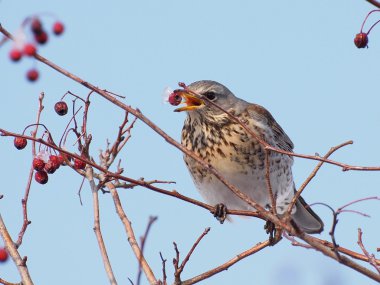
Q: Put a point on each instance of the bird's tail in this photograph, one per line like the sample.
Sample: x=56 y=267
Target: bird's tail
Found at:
x=306 y=219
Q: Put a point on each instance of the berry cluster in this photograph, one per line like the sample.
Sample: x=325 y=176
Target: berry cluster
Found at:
x=3 y=255
x=361 y=39
x=45 y=163
x=39 y=36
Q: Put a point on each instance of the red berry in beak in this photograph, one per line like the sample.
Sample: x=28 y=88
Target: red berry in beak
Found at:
x=15 y=54
x=20 y=143
x=61 y=108
x=361 y=40
x=32 y=75
x=58 y=28
x=38 y=164
x=41 y=177
x=174 y=98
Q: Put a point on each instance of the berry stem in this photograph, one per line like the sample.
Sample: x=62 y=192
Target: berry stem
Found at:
x=373 y=26
x=365 y=20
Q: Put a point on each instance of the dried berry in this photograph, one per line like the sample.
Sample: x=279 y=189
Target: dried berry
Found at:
x=61 y=158
x=51 y=166
x=361 y=40
x=41 y=38
x=175 y=98
x=30 y=49
x=3 y=254
x=41 y=177
x=20 y=143
x=36 y=26
x=55 y=159
x=38 y=164
x=61 y=108
x=32 y=75
x=15 y=54
x=58 y=28
x=79 y=164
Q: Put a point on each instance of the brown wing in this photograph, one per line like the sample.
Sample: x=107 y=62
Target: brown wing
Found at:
x=261 y=114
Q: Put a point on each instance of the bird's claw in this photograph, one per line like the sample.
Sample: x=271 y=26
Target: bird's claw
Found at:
x=220 y=212
x=274 y=232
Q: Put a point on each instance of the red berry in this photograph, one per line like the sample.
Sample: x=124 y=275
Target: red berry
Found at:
x=32 y=75
x=20 y=143
x=3 y=254
x=30 y=49
x=51 y=166
x=15 y=54
x=79 y=164
x=61 y=108
x=58 y=28
x=55 y=159
x=175 y=98
x=41 y=177
x=41 y=38
x=361 y=40
x=38 y=164
x=36 y=26
x=61 y=158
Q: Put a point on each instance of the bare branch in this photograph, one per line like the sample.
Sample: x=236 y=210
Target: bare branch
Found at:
x=12 y=250
x=131 y=236
x=97 y=229
x=371 y=257
x=228 y=264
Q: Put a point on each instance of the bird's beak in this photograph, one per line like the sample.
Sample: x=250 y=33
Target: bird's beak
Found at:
x=192 y=102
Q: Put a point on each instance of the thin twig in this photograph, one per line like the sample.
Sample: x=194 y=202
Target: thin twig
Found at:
x=227 y=264
x=24 y=201
x=11 y=248
x=180 y=268
x=97 y=229
x=164 y=277
x=371 y=257
x=131 y=236
x=142 y=245
x=312 y=175
x=4 y=282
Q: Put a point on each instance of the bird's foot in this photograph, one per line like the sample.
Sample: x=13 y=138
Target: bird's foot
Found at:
x=274 y=232
x=220 y=212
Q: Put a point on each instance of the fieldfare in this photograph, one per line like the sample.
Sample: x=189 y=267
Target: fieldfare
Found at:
x=238 y=156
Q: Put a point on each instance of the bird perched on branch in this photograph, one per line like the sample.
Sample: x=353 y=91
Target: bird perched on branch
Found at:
x=238 y=155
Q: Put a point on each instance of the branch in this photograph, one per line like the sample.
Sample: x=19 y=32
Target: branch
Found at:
x=227 y=265
x=143 y=241
x=97 y=229
x=12 y=250
x=371 y=257
x=24 y=201
x=374 y=3
x=131 y=236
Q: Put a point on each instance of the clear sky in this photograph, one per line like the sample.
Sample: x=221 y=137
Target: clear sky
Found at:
x=296 y=58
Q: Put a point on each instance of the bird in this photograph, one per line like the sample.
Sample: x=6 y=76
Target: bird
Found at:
x=220 y=141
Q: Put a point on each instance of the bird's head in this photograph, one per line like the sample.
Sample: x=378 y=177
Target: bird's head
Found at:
x=196 y=93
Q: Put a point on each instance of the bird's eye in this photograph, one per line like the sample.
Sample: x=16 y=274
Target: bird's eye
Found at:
x=210 y=95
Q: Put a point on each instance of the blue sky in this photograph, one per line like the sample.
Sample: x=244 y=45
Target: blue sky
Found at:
x=296 y=58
